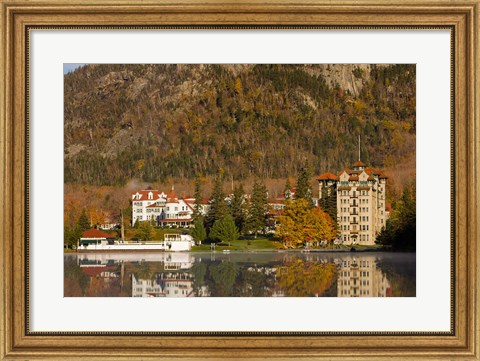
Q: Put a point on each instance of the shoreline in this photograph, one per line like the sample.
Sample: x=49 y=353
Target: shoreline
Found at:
x=226 y=251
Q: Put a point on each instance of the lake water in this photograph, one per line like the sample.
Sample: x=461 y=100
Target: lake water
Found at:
x=240 y=274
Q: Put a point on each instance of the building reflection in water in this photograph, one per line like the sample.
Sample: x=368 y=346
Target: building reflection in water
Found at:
x=361 y=278
x=204 y=275
x=167 y=284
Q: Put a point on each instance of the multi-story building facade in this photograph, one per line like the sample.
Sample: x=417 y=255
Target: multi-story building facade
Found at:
x=361 y=202
x=166 y=210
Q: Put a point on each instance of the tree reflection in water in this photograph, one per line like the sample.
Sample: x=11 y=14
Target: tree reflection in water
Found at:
x=262 y=274
x=300 y=278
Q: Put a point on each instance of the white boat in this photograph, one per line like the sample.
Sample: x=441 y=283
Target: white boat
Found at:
x=96 y=242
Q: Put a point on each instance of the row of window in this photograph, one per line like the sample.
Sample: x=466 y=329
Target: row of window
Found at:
x=363 y=237
x=354 y=194
x=346 y=227
x=362 y=264
x=354 y=219
x=150 y=210
x=346 y=201
x=362 y=210
x=362 y=292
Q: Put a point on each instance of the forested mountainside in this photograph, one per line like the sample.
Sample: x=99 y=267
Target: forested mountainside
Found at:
x=150 y=122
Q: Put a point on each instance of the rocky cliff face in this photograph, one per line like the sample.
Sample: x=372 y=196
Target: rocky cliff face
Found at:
x=349 y=77
x=154 y=121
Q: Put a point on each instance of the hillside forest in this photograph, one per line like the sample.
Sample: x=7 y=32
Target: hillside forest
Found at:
x=128 y=127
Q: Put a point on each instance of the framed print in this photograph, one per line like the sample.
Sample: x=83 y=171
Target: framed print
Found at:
x=239 y=180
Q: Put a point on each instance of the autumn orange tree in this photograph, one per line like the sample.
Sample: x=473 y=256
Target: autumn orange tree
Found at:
x=301 y=224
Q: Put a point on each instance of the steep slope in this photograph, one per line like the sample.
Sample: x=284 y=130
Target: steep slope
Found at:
x=150 y=122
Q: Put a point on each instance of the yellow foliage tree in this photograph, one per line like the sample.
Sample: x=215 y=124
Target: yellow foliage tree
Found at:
x=301 y=225
x=96 y=217
x=238 y=86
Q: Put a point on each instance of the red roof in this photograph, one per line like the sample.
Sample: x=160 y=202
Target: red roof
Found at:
x=154 y=206
x=353 y=177
x=144 y=194
x=189 y=205
x=375 y=171
x=327 y=176
x=95 y=271
x=95 y=233
x=172 y=196
x=359 y=164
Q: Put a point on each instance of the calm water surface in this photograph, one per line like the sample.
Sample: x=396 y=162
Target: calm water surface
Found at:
x=238 y=274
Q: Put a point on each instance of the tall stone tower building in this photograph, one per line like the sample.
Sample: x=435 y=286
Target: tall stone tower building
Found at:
x=361 y=202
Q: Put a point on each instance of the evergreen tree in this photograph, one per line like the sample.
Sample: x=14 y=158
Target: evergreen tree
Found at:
x=218 y=207
x=287 y=191
x=71 y=235
x=197 y=208
x=400 y=229
x=224 y=230
x=198 y=232
x=328 y=202
x=238 y=207
x=145 y=231
x=257 y=210
x=304 y=190
x=83 y=222
x=136 y=224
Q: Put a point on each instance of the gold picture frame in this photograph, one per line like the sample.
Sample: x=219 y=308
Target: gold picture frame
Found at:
x=18 y=342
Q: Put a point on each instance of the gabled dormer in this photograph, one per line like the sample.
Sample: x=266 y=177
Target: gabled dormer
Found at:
x=363 y=177
x=344 y=176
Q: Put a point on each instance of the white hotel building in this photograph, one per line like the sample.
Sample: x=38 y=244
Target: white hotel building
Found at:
x=166 y=210
x=361 y=202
